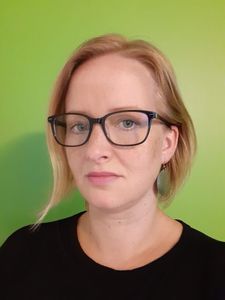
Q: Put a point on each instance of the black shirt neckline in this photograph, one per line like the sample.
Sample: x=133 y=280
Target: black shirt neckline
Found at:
x=74 y=251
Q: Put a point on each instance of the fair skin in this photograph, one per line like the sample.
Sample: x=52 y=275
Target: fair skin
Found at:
x=123 y=227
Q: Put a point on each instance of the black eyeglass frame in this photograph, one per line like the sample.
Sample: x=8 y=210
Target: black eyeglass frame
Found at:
x=101 y=120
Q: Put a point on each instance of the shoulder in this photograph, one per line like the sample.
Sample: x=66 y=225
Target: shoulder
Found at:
x=200 y=240
x=199 y=259
x=26 y=251
x=203 y=250
x=22 y=240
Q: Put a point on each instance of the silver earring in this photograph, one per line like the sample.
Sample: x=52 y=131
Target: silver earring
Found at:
x=162 y=181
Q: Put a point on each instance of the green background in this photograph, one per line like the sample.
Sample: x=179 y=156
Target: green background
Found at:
x=36 y=39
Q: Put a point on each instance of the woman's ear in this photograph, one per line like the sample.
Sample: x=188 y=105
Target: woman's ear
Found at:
x=169 y=143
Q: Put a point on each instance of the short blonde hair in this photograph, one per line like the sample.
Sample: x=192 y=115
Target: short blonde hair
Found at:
x=176 y=113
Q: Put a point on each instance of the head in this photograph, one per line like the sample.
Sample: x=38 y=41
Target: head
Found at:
x=109 y=73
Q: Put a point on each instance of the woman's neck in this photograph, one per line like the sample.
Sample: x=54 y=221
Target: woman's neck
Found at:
x=129 y=238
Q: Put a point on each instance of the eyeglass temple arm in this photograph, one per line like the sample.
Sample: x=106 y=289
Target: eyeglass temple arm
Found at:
x=157 y=116
x=57 y=122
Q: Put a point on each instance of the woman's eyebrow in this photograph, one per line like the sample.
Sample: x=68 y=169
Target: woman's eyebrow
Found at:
x=109 y=110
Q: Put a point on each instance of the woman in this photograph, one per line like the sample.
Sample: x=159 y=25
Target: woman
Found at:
x=120 y=133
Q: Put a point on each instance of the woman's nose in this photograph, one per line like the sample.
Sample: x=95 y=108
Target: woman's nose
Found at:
x=98 y=148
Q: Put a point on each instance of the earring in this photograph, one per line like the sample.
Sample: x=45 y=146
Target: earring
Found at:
x=162 y=181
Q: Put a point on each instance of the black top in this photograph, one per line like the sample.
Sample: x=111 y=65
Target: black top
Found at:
x=50 y=264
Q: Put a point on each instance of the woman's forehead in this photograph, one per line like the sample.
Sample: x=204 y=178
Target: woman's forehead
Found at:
x=111 y=81
x=112 y=65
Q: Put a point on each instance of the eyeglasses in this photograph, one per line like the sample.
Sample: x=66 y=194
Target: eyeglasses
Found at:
x=122 y=128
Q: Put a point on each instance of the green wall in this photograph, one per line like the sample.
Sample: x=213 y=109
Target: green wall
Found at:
x=36 y=39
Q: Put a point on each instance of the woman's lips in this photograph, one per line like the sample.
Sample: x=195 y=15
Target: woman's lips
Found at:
x=100 y=178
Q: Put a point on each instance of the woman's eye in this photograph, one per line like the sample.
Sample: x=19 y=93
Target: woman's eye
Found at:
x=79 y=128
x=128 y=124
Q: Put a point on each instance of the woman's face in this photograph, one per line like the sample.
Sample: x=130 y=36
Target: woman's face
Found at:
x=100 y=86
